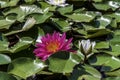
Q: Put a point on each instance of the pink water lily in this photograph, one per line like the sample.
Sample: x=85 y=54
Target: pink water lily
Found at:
x=51 y=44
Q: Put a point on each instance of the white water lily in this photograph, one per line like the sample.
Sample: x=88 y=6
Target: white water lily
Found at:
x=86 y=46
x=57 y=2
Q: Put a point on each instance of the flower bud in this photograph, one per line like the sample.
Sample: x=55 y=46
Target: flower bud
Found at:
x=86 y=46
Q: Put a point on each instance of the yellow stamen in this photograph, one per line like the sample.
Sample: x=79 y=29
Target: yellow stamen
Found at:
x=52 y=46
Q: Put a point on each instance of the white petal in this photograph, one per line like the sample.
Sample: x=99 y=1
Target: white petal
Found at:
x=93 y=44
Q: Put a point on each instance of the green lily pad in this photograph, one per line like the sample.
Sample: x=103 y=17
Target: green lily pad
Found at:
x=114 y=73
x=41 y=18
x=98 y=33
x=5 y=3
x=87 y=77
x=85 y=72
x=23 y=43
x=23 y=10
x=81 y=17
x=25 y=67
x=101 y=6
x=115 y=44
x=61 y=25
x=6 y=76
x=112 y=78
x=6 y=23
x=63 y=62
x=108 y=62
x=4 y=59
x=66 y=9
x=104 y=21
x=102 y=45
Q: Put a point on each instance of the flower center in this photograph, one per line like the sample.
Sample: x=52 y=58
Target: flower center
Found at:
x=53 y=46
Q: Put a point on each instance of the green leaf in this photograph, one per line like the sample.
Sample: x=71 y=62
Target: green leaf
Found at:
x=92 y=71
x=41 y=18
x=117 y=32
x=98 y=0
x=101 y=6
x=45 y=6
x=103 y=21
x=85 y=72
x=7 y=3
x=23 y=43
x=4 y=46
x=114 y=4
x=81 y=17
x=62 y=62
x=25 y=67
x=114 y=73
x=112 y=78
x=30 y=1
x=5 y=76
x=4 y=59
x=6 y=23
x=66 y=9
x=108 y=62
x=106 y=5
x=62 y=25
x=98 y=33
x=115 y=44
x=115 y=15
x=87 y=77
x=102 y=45
x=23 y=10
x=28 y=25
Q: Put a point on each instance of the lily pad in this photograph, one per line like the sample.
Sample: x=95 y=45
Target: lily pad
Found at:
x=6 y=76
x=25 y=67
x=4 y=59
x=63 y=62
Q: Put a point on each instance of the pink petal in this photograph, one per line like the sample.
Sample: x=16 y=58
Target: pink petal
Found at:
x=64 y=45
x=67 y=44
x=40 y=45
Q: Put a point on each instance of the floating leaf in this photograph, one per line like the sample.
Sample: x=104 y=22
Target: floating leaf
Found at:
x=61 y=25
x=98 y=33
x=81 y=17
x=114 y=73
x=6 y=23
x=23 y=43
x=62 y=62
x=105 y=61
x=112 y=78
x=85 y=72
x=66 y=9
x=102 y=45
x=4 y=59
x=41 y=18
x=103 y=21
x=8 y=3
x=115 y=44
x=23 y=10
x=25 y=67
x=6 y=76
